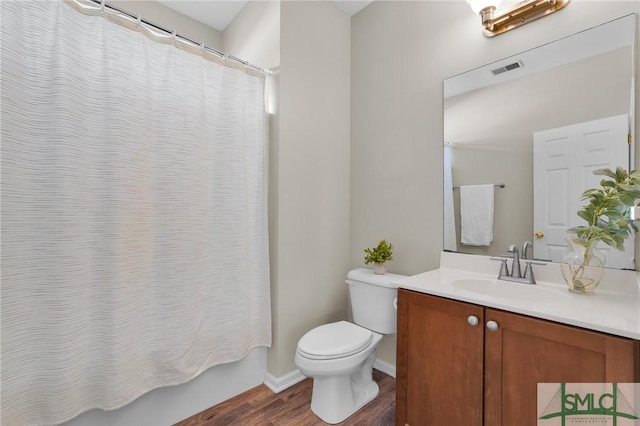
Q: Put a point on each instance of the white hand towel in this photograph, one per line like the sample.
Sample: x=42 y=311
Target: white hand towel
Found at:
x=476 y=214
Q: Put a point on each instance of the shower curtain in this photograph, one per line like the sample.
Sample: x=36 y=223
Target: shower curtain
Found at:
x=134 y=218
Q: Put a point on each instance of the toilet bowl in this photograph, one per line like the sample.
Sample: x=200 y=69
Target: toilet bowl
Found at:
x=341 y=369
x=339 y=356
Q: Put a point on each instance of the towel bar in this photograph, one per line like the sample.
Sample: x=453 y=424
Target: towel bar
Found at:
x=497 y=185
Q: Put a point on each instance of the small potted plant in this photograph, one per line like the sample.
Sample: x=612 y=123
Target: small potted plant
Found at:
x=608 y=220
x=378 y=256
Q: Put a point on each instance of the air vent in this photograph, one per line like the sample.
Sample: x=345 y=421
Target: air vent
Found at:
x=509 y=67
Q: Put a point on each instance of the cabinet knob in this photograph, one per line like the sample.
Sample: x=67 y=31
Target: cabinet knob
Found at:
x=472 y=320
x=492 y=325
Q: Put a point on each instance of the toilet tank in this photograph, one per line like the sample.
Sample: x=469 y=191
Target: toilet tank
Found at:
x=373 y=299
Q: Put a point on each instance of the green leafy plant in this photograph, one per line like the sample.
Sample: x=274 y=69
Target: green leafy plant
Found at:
x=379 y=254
x=608 y=220
x=607 y=214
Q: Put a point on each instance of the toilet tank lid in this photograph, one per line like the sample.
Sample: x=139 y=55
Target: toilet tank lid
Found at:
x=366 y=275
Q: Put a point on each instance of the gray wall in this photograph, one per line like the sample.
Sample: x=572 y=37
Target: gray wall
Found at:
x=312 y=175
x=401 y=52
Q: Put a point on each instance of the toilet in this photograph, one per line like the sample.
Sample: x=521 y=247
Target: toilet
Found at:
x=339 y=356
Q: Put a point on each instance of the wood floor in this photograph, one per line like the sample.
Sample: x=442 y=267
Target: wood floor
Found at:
x=261 y=407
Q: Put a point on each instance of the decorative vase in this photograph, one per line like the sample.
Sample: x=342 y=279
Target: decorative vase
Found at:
x=581 y=269
x=379 y=268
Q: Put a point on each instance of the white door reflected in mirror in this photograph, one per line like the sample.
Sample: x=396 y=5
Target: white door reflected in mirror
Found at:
x=563 y=163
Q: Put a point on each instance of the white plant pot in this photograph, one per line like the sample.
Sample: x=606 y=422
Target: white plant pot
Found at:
x=379 y=268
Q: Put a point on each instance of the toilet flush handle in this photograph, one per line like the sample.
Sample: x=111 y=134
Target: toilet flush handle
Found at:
x=395 y=303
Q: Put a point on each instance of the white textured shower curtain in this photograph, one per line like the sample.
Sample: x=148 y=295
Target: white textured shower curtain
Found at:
x=134 y=221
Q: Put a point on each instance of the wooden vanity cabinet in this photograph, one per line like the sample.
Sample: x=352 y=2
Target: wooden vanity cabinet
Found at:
x=452 y=372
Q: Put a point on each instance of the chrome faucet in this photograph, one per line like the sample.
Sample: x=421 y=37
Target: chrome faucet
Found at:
x=515 y=266
x=525 y=248
x=516 y=275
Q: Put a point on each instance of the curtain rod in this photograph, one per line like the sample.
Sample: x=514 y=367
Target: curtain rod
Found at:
x=223 y=55
x=495 y=185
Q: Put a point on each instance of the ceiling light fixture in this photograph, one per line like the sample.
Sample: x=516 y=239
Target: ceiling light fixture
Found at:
x=520 y=14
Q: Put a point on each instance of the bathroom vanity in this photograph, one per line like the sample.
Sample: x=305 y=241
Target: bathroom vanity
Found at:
x=472 y=349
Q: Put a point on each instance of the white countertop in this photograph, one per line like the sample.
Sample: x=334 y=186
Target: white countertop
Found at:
x=614 y=307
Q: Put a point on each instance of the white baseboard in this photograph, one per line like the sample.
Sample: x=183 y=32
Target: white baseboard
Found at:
x=385 y=367
x=278 y=384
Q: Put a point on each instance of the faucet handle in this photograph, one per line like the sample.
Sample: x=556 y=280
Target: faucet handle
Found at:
x=500 y=258
x=528 y=271
x=504 y=269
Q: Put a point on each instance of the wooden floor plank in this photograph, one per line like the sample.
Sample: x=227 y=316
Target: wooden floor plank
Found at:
x=261 y=407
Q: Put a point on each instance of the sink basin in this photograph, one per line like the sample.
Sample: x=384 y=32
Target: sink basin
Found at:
x=496 y=288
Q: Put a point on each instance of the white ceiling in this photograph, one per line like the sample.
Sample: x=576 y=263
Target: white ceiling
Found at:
x=219 y=13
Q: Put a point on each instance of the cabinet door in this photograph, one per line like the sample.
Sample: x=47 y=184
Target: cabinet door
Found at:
x=525 y=351
x=439 y=362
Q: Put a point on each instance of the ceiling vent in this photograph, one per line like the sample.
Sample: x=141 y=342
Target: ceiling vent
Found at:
x=509 y=67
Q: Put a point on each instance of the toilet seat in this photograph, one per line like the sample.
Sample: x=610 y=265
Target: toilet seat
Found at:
x=334 y=340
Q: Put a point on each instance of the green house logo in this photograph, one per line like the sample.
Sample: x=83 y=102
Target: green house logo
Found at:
x=589 y=403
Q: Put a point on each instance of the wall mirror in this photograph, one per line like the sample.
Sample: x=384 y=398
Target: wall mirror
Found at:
x=493 y=113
